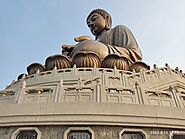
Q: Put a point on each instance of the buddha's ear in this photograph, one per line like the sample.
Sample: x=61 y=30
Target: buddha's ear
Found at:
x=108 y=22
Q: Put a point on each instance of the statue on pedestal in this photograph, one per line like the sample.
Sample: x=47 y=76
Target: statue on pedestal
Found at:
x=111 y=47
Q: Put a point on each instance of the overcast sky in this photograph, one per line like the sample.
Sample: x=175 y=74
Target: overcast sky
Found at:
x=32 y=30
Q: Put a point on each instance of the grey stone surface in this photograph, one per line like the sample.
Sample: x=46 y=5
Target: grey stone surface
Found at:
x=101 y=132
x=106 y=100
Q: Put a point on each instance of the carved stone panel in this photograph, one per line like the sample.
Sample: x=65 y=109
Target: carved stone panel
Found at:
x=82 y=94
x=161 y=98
x=120 y=95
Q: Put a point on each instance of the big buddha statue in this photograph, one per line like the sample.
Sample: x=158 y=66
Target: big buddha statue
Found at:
x=112 y=47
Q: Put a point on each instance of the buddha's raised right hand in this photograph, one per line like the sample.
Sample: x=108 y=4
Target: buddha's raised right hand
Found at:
x=82 y=38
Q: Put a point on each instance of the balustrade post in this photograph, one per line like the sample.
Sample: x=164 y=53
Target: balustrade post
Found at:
x=20 y=93
x=59 y=91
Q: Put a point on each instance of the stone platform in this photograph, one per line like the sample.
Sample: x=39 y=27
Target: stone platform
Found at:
x=90 y=98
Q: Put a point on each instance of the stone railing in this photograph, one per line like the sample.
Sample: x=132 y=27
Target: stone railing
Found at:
x=141 y=77
x=158 y=73
x=93 y=93
x=95 y=85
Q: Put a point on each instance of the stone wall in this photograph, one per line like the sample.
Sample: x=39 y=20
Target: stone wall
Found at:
x=100 y=132
x=161 y=87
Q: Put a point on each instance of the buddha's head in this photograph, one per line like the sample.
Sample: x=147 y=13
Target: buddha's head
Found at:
x=98 y=21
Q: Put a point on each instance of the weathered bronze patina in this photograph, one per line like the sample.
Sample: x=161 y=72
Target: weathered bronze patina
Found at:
x=119 y=40
x=114 y=46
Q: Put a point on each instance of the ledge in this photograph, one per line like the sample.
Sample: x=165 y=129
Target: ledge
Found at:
x=92 y=114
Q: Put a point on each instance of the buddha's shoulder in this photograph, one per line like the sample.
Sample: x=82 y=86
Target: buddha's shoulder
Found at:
x=120 y=27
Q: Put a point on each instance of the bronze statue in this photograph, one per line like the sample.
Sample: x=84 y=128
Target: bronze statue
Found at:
x=119 y=40
x=114 y=46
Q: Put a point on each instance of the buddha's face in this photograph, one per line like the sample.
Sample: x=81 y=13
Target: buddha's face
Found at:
x=96 y=24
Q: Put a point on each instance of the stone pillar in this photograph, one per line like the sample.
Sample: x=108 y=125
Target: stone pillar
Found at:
x=20 y=93
x=59 y=91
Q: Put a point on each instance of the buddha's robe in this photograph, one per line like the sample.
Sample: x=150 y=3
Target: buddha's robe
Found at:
x=121 y=41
